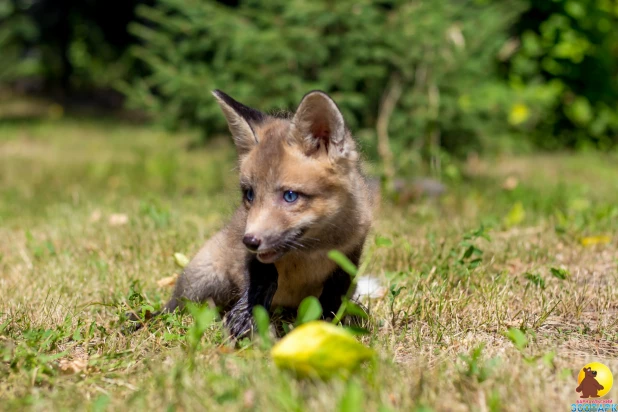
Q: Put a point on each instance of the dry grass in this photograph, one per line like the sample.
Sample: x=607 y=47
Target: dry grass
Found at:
x=69 y=271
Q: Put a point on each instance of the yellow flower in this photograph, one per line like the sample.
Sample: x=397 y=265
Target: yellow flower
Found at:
x=516 y=215
x=519 y=114
x=320 y=349
x=595 y=240
x=181 y=260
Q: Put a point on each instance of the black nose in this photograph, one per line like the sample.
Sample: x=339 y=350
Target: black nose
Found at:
x=251 y=242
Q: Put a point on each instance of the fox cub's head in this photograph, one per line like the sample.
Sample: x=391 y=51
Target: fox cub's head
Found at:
x=299 y=176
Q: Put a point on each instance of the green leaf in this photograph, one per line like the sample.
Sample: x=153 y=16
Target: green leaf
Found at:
x=309 y=309
x=580 y=111
x=172 y=337
x=357 y=330
x=77 y=334
x=100 y=403
x=561 y=274
x=548 y=358
x=343 y=262
x=355 y=310
x=383 y=242
x=4 y=325
x=468 y=252
x=565 y=373
x=517 y=337
x=535 y=279
x=203 y=317
x=262 y=323
x=146 y=311
x=395 y=289
x=52 y=357
x=352 y=399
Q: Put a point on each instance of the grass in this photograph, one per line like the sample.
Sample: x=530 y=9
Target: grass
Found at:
x=493 y=301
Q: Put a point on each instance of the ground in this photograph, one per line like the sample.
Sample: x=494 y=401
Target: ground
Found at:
x=499 y=292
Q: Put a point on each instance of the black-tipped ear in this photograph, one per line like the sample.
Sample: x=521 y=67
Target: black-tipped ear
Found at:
x=246 y=112
x=318 y=124
x=240 y=120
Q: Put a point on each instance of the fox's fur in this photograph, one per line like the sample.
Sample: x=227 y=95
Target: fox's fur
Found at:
x=313 y=154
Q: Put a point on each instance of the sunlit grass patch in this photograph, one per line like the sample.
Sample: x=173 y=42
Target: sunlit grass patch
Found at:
x=493 y=300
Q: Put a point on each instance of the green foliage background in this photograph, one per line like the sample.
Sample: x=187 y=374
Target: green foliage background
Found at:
x=485 y=75
x=572 y=47
x=268 y=54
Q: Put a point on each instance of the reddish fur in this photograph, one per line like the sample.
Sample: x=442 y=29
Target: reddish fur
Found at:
x=276 y=154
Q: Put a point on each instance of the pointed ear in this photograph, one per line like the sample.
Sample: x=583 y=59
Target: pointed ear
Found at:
x=240 y=120
x=319 y=127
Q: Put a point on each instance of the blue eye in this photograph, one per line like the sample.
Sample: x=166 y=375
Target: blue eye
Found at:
x=290 y=196
x=249 y=195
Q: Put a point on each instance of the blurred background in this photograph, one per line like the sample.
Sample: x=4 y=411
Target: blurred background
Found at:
x=427 y=80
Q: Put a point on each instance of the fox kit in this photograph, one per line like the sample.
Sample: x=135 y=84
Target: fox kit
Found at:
x=303 y=194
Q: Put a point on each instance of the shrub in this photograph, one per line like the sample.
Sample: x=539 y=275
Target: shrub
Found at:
x=16 y=30
x=433 y=63
x=571 y=46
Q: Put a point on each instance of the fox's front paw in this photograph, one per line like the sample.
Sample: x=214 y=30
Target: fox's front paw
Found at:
x=135 y=323
x=132 y=325
x=239 y=322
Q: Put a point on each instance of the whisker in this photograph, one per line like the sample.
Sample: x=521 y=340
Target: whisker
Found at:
x=293 y=244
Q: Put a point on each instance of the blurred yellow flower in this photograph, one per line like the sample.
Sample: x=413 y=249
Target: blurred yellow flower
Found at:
x=519 y=114
x=320 y=349
x=181 y=260
x=516 y=215
x=595 y=240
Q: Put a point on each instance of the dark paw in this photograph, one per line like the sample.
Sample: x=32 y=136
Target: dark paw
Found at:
x=135 y=323
x=240 y=323
x=132 y=325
